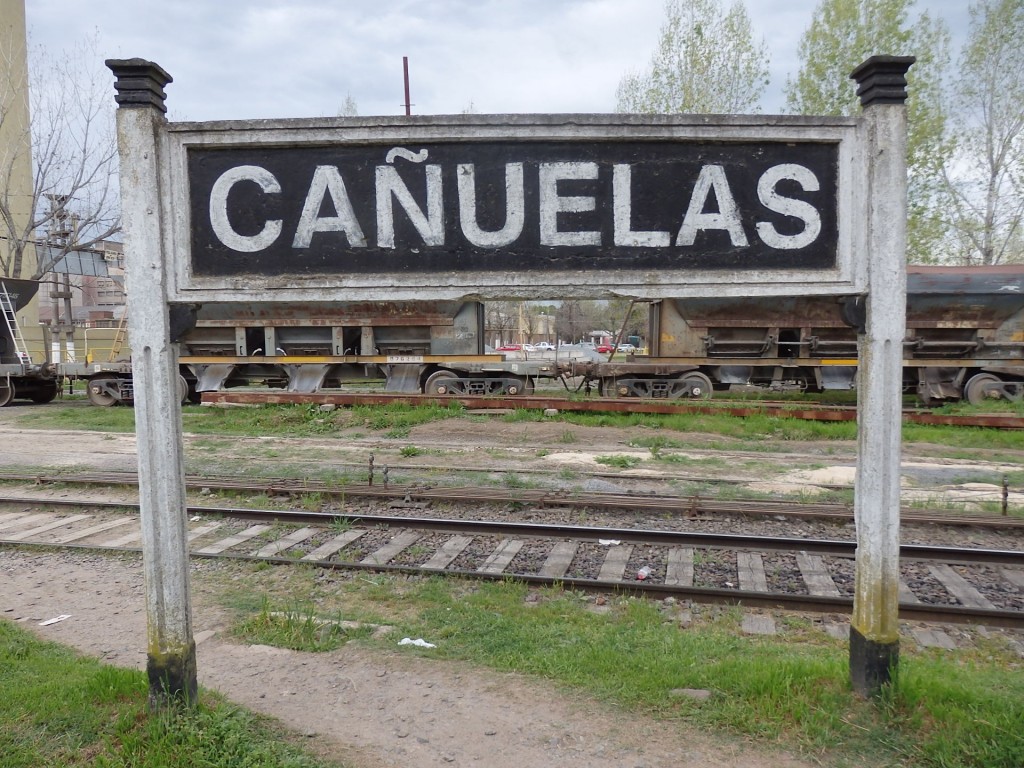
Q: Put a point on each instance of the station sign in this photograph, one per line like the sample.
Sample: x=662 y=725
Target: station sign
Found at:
x=449 y=207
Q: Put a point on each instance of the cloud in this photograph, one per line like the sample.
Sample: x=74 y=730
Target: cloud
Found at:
x=240 y=59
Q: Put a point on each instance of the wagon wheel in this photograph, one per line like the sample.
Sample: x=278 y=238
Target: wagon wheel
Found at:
x=611 y=388
x=6 y=393
x=440 y=383
x=975 y=389
x=45 y=393
x=182 y=389
x=700 y=385
x=97 y=394
x=520 y=385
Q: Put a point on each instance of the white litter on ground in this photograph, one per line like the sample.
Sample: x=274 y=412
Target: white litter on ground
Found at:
x=419 y=642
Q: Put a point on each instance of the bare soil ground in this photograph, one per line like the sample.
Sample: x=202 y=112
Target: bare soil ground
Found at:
x=369 y=709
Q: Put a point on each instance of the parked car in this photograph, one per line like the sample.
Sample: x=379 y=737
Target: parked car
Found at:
x=626 y=349
x=511 y=348
x=604 y=349
x=544 y=346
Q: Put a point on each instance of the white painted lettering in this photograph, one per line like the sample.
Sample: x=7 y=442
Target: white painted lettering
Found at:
x=515 y=207
x=787 y=206
x=390 y=185
x=622 y=205
x=219 y=209
x=327 y=181
x=712 y=177
x=551 y=204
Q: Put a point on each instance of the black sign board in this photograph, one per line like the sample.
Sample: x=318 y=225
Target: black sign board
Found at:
x=489 y=206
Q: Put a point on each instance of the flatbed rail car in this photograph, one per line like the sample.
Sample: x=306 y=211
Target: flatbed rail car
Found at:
x=435 y=347
x=965 y=340
x=21 y=376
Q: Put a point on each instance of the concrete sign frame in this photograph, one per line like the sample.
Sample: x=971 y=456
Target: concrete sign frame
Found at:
x=401 y=143
x=160 y=230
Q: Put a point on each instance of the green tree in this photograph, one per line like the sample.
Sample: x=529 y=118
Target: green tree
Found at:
x=842 y=34
x=706 y=62
x=986 y=181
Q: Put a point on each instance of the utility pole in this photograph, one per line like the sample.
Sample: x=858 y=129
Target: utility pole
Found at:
x=62 y=232
x=405 y=74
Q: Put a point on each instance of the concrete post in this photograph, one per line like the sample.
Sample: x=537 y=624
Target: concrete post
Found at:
x=874 y=629
x=141 y=138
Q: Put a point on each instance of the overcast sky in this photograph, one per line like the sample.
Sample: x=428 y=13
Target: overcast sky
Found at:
x=232 y=59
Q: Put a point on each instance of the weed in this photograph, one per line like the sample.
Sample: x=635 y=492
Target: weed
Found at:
x=512 y=480
x=340 y=525
x=619 y=460
x=312 y=501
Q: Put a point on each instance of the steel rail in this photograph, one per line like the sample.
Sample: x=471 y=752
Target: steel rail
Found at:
x=921 y=612
x=710 y=595
x=603 y=404
x=836 y=548
x=691 y=506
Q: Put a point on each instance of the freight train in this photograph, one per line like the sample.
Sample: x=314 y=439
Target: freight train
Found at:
x=965 y=340
x=20 y=375
x=435 y=347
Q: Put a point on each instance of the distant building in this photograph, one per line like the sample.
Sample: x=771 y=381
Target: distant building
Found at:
x=97 y=299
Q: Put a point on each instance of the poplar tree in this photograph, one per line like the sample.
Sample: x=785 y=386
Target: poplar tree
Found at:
x=986 y=181
x=706 y=62
x=841 y=35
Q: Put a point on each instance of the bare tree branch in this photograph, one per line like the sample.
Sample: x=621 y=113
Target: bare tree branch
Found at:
x=74 y=197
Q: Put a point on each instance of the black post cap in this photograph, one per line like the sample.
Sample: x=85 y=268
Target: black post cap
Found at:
x=882 y=79
x=139 y=83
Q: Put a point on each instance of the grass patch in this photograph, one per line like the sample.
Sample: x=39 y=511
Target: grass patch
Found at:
x=287 y=420
x=58 y=709
x=298 y=628
x=521 y=415
x=396 y=420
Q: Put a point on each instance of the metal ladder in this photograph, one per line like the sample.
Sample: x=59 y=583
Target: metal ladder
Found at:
x=119 y=338
x=12 y=325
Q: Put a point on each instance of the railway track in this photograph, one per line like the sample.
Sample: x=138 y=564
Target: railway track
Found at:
x=412 y=494
x=938 y=584
x=815 y=412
